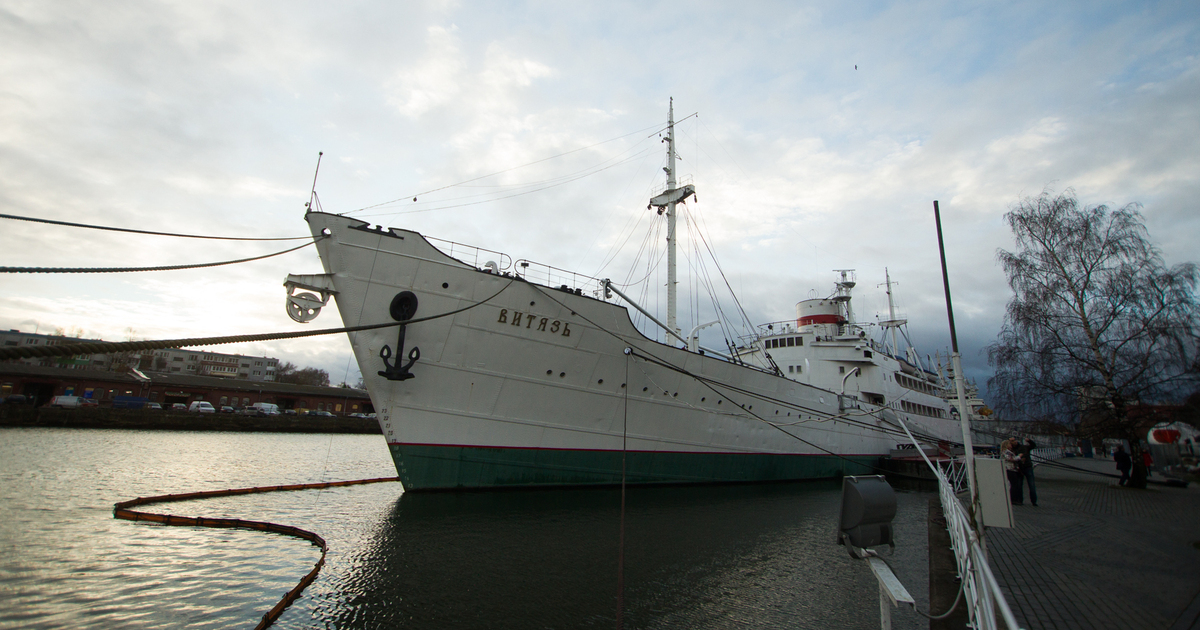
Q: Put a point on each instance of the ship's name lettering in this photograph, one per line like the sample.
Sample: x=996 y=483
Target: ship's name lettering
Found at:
x=529 y=320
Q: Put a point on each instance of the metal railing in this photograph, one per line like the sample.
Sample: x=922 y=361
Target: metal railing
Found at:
x=558 y=278
x=986 y=605
x=470 y=254
x=980 y=588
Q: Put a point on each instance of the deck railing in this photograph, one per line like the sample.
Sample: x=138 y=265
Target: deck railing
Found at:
x=558 y=278
x=474 y=256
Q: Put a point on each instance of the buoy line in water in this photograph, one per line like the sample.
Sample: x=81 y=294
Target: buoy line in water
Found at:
x=122 y=511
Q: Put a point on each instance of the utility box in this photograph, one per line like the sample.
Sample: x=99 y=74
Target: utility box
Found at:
x=992 y=484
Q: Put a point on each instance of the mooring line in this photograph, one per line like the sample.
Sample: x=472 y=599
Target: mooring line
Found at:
x=121 y=510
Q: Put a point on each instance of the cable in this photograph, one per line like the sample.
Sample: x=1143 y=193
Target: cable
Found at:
x=475 y=203
x=137 y=269
x=743 y=408
x=132 y=231
x=475 y=179
x=66 y=350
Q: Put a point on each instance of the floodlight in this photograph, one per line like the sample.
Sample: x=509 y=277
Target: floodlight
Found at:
x=868 y=507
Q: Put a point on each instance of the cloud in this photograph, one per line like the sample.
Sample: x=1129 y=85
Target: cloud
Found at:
x=207 y=118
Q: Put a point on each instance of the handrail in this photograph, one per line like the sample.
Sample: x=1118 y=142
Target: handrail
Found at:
x=556 y=278
x=459 y=251
x=983 y=594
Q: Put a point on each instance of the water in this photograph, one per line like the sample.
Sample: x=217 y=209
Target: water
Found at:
x=701 y=557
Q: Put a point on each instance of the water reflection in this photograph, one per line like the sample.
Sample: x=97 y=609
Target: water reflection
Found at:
x=700 y=557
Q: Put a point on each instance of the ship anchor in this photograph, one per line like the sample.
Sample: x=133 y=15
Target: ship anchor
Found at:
x=403 y=307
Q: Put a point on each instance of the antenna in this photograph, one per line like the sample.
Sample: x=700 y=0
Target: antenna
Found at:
x=312 y=196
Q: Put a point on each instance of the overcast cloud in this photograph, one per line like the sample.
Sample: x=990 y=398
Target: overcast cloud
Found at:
x=207 y=118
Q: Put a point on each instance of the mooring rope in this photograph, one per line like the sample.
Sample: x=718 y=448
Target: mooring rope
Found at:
x=102 y=347
x=121 y=510
x=140 y=269
x=151 y=233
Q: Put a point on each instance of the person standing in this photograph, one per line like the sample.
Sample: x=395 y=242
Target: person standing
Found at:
x=1124 y=463
x=1012 y=463
x=1026 y=468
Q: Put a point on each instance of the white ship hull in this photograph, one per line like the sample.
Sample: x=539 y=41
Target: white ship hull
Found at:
x=533 y=386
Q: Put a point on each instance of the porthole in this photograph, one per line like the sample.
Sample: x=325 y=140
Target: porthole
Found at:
x=645 y=388
x=445 y=285
x=549 y=372
x=701 y=399
x=718 y=402
x=600 y=382
x=561 y=374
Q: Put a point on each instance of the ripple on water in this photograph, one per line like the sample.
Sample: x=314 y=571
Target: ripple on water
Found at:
x=753 y=556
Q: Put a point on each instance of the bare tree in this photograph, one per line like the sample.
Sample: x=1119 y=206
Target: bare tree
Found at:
x=1097 y=321
x=287 y=372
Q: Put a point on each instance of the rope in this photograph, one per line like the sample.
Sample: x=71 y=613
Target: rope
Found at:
x=121 y=510
x=130 y=269
x=103 y=347
x=131 y=231
x=663 y=363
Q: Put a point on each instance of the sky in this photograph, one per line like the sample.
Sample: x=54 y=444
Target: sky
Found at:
x=817 y=135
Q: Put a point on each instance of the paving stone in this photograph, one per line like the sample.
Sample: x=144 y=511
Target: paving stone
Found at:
x=1093 y=554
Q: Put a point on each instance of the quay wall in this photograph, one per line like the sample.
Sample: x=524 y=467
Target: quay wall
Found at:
x=103 y=418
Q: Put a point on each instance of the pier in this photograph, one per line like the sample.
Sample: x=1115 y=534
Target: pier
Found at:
x=1093 y=554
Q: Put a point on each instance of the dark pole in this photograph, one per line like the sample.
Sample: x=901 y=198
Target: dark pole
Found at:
x=937 y=218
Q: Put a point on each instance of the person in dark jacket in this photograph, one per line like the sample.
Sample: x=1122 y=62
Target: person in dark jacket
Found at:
x=1124 y=463
x=1025 y=466
x=1012 y=468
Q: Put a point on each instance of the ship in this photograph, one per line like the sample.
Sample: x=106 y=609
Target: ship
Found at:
x=486 y=372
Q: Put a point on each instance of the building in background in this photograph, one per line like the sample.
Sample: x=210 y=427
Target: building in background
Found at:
x=39 y=384
x=169 y=361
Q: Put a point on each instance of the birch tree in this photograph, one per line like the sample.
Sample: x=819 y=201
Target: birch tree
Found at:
x=1097 y=321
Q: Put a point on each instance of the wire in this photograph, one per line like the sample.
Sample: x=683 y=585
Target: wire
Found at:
x=475 y=203
x=72 y=349
x=743 y=408
x=135 y=269
x=475 y=179
x=152 y=233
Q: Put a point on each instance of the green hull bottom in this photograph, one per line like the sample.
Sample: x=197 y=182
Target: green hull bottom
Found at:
x=428 y=467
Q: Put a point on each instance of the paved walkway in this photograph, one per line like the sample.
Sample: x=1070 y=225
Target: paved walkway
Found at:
x=1096 y=555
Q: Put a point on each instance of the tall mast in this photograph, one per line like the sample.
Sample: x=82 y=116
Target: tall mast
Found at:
x=671 y=281
x=892 y=323
x=891 y=310
x=667 y=201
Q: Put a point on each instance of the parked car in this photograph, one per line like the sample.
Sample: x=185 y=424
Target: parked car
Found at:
x=67 y=402
x=15 y=399
x=179 y=407
x=90 y=402
x=264 y=409
x=154 y=406
x=289 y=412
x=323 y=414
x=226 y=409
x=201 y=406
